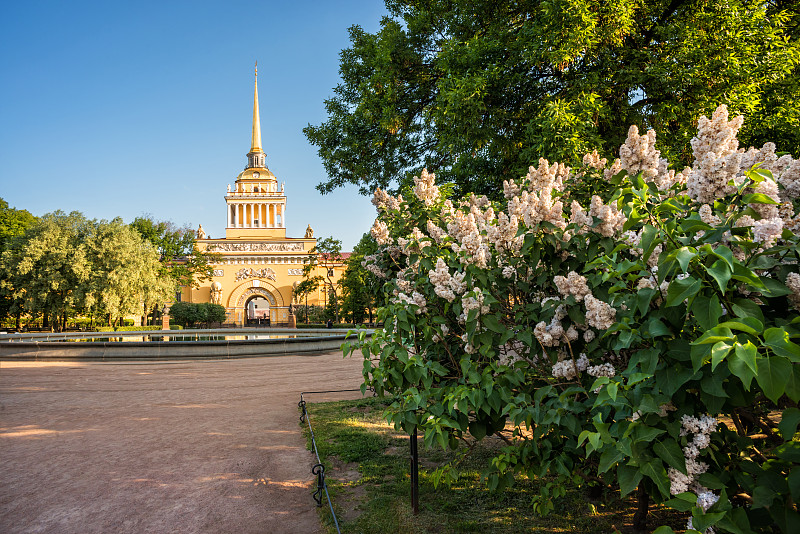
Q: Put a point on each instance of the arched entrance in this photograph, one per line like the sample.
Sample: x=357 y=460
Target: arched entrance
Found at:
x=239 y=306
x=257 y=311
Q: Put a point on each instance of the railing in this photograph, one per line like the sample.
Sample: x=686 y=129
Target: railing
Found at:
x=319 y=469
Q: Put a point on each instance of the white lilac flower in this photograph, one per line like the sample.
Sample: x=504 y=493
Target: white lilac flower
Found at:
x=599 y=314
x=425 y=188
x=573 y=284
x=380 y=232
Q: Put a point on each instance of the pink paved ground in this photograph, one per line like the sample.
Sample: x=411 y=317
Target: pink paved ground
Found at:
x=189 y=447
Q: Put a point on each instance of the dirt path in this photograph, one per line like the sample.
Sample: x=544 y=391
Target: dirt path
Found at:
x=190 y=446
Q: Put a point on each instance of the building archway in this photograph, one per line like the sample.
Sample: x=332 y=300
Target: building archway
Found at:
x=239 y=299
x=257 y=311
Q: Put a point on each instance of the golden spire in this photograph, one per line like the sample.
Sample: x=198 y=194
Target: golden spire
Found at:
x=255 y=146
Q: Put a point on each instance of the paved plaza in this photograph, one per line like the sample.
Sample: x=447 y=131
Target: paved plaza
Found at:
x=186 y=446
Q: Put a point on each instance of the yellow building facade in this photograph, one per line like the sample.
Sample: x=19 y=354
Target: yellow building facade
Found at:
x=258 y=265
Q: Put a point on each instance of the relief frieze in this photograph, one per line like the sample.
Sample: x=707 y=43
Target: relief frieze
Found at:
x=244 y=274
x=255 y=247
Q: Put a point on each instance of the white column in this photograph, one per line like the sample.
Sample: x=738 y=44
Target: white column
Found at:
x=229 y=216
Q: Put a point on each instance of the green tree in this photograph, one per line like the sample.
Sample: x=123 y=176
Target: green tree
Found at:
x=180 y=258
x=305 y=288
x=177 y=249
x=478 y=90
x=13 y=223
x=126 y=274
x=46 y=270
x=360 y=288
x=326 y=255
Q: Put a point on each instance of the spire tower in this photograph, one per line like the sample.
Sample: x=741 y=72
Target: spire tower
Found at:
x=256 y=157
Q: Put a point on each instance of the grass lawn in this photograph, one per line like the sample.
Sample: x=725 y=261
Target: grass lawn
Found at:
x=367 y=470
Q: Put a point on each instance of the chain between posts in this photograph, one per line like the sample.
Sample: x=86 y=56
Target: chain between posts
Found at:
x=319 y=469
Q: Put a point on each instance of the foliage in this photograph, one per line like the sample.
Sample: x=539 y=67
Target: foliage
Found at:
x=125 y=274
x=190 y=313
x=644 y=339
x=476 y=89
x=325 y=255
x=13 y=223
x=66 y=264
x=187 y=265
x=366 y=469
x=135 y=328
x=360 y=288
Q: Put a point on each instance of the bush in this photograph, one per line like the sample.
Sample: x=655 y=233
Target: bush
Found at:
x=188 y=313
x=635 y=325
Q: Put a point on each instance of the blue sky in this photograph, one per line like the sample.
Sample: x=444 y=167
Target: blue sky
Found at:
x=120 y=109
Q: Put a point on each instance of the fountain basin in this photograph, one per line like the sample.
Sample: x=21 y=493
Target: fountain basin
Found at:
x=172 y=344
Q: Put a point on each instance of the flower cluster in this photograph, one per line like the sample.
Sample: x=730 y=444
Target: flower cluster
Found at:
x=573 y=284
x=599 y=314
x=425 y=188
x=639 y=154
x=569 y=369
x=446 y=285
x=716 y=157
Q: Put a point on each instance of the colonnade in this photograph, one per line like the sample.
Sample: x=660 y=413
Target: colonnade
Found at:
x=256 y=215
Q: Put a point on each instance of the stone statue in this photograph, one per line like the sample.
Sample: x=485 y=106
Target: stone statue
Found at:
x=229 y=188
x=309 y=232
x=216 y=293
x=201 y=234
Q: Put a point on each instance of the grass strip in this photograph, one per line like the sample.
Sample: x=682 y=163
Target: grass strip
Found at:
x=367 y=470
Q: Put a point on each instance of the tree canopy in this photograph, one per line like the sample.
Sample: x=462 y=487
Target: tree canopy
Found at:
x=478 y=90
x=65 y=264
x=13 y=223
x=360 y=288
x=187 y=265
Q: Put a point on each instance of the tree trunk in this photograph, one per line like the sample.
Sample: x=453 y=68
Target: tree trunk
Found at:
x=643 y=503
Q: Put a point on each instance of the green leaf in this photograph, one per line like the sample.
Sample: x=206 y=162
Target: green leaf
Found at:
x=751 y=325
x=654 y=469
x=721 y=273
x=778 y=340
x=477 y=429
x=793 y=384
x=684 y=255
x=683 y=502
x=672 y=378
x=701 y=521
x=718 y=353
x=758 y=198
x=628 y=478
x=656 y=328
x=771 y=376
x=491 y=322
x=773 y=288
x=669 y=451
x=707 y=311
x=715 y=335
x=748 y=308
x=680 y=290
x=609 y=458
x=789 y=420
x=742 y=363
x=649 y=233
